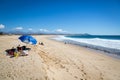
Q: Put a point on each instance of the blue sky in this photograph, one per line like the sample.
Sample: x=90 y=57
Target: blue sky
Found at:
x=67 y=16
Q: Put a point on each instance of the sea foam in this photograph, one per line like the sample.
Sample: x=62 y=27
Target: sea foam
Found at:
x=107 y=45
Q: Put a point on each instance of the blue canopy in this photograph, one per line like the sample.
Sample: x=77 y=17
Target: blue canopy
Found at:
x=28 y=39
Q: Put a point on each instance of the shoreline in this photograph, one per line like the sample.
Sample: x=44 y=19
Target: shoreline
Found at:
x=56 y=61
x=115 y=53
x=97 y=51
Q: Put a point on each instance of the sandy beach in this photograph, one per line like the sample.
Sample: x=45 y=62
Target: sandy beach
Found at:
x=55 y=61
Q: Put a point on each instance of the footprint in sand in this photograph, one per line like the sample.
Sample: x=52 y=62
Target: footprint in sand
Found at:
x=53 y=78
x=67 y=69
x=46 y=78
x=75 y=77
x=78 y=67
x=62 y=66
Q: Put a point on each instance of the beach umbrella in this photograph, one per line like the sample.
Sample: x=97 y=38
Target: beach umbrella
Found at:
x=28 y=39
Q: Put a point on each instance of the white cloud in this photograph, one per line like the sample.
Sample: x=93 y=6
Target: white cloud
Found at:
x=30 y=29
x=2 y=26
x=43 y=30
x=60 y=30
x=19 y=28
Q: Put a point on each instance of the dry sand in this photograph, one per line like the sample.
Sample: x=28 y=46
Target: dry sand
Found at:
x=56 y=61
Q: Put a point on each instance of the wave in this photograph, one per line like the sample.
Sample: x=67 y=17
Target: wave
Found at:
x=106 y=45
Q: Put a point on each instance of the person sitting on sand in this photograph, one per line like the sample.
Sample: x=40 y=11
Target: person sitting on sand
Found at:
x=65 y=43
x=41 y=43
x=11 y=51
x=19 y=48
x=23 y=47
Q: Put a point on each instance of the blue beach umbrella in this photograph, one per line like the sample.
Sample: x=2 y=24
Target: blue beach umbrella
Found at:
x=28 y=39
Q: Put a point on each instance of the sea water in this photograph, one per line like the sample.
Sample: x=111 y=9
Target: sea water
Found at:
x=106 y=43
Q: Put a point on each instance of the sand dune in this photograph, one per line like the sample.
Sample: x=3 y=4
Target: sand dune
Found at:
x=56 y=61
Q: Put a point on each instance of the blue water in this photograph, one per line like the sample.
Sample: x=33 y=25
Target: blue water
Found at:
x=112 y=37
x=107 y=43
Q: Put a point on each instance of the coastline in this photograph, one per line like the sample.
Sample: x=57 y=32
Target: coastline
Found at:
x=57 y=61
x=112 y=52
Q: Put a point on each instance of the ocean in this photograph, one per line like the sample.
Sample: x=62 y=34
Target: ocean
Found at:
x=107 y=43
